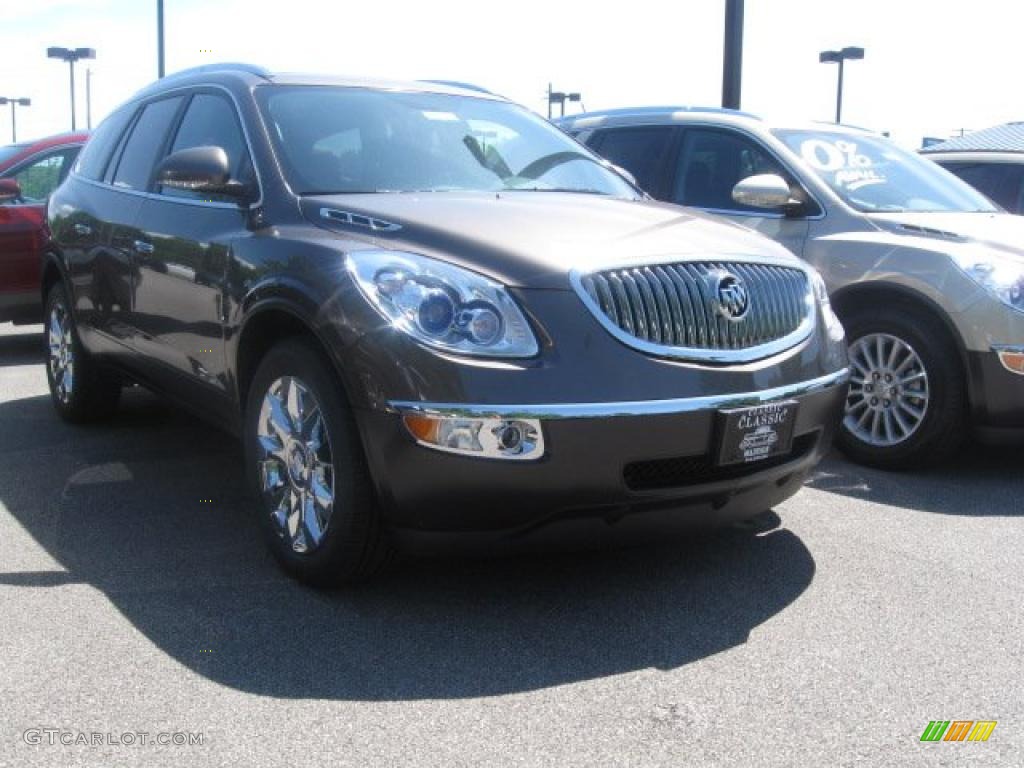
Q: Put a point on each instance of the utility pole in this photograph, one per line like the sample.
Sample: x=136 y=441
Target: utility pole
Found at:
x=732 y=55
x=159 y=38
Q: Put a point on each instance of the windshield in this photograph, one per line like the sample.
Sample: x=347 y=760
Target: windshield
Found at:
x=338 y=140
x=874 y=175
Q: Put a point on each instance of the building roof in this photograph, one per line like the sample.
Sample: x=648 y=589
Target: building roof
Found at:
x=999 y=138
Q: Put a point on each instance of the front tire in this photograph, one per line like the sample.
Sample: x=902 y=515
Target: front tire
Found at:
x=907 y=405
x=80 y=389
x=307 y=471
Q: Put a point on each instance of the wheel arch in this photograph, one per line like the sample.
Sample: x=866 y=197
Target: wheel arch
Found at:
x=268 y=322
x=50 y=273
x=880 y=293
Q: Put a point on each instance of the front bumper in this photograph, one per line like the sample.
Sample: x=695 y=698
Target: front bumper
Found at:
x=998 y=393
x=609 y=470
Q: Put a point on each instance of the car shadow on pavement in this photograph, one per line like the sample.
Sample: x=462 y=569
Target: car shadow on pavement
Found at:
x=992 y=473
x=152 y=510
x=22 y=348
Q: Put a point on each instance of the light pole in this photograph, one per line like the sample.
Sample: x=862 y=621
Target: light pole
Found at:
x=88 y=99
x=560 y=97
x=839 y=57
x=22 y=102
x=71 y=55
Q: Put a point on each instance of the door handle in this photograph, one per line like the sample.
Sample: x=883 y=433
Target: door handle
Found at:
x=143 y=247
x=82 y=229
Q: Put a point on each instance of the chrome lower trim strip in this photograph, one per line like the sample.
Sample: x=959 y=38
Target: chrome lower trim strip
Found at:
x=633 y=408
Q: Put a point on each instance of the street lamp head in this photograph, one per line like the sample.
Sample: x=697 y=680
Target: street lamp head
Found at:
x=71 y=54
x=852 y=53
x=23 y=102
x=829 y=56
x=572 y=96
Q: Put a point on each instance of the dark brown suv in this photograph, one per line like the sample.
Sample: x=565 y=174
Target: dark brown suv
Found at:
x=432 y=317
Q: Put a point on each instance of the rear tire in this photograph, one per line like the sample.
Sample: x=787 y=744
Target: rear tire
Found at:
x=82 y=391
x=307 y=471
x=907 y=405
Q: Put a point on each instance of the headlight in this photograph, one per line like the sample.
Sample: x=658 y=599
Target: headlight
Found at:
x=1000 y=275
x=442 y=305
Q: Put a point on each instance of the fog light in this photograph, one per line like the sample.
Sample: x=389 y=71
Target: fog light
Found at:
x=483 y=437
x=1012 y=358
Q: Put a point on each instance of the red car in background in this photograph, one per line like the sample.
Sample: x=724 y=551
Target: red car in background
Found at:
x=29 y=173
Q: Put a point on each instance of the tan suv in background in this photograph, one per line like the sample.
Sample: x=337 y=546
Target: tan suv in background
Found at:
x=926 y=273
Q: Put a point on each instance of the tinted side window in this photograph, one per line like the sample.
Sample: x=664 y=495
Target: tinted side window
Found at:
x=641 y=151
x=713 y=162
x=210 y=121
x=93 y=160
x=999 y=182
x=144 y=144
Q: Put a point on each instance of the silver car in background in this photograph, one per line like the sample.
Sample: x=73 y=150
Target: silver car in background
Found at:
x=926 y=273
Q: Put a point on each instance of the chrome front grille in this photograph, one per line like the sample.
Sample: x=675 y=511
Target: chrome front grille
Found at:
x=723 y=311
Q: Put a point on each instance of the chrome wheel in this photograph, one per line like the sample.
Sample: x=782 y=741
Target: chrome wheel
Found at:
x=888 y=397
x=61 y=353
x=296 y=469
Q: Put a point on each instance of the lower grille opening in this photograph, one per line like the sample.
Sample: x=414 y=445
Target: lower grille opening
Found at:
x=693 y=470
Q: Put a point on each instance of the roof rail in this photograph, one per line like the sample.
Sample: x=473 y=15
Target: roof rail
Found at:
x=623 y=111
x=229 y=66
x=458 y=84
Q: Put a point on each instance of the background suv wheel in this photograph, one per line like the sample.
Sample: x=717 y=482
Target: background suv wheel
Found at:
x=907 y=401
x=81 y=390
x=307 y=471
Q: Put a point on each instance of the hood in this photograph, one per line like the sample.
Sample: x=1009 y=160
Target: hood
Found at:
x=533 y=239
x=1003 y=231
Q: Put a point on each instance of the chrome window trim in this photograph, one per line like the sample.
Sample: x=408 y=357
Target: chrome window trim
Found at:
x=158 y=196
x=627 y=408
x=802 y=332
x=188 y=90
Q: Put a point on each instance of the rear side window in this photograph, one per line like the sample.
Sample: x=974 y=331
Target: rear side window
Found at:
x=135 y=167
x=641 y=151
x=93 y=160
x=210 y=121
x=999 y=182
x=38 y=180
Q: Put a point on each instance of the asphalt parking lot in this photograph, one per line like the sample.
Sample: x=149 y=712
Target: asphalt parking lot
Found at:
x=137 y=597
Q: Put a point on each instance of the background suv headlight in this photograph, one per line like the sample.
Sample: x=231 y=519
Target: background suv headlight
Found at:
x=1000 y=275
x=442 y=305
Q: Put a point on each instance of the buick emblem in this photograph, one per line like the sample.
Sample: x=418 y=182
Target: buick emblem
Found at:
x=731 y=298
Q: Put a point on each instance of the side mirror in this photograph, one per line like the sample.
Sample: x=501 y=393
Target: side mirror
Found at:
x=766 y=190
x=200 y=169
x=9 y=190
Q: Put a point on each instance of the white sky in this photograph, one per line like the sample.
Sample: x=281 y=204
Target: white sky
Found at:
x=931 y=67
